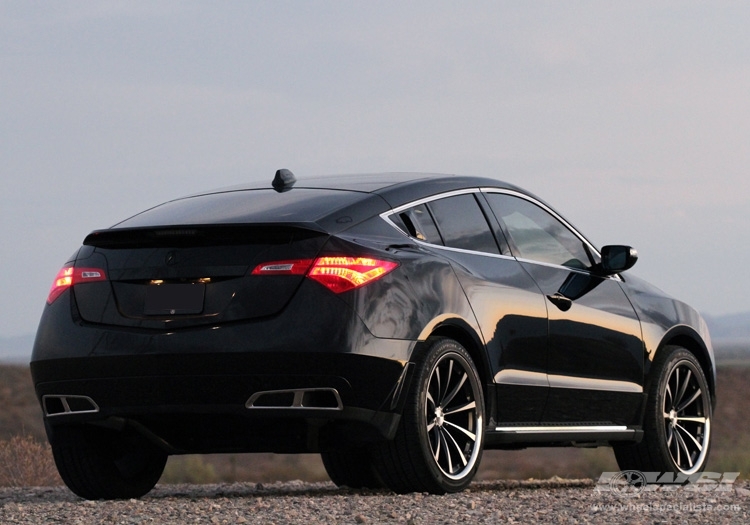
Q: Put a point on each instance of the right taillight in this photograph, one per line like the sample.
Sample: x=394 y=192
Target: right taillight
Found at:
x=69 y=276
x=337 y=273
x=341 y=274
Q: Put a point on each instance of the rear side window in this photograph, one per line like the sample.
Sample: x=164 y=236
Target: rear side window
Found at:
x=419 y=224
x=462 y=224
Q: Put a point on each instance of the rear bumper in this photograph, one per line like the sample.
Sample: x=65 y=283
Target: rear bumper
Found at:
x=227 y=389
x=221 y=403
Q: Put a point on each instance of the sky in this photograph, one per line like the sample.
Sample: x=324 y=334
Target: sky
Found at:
x=631 y=118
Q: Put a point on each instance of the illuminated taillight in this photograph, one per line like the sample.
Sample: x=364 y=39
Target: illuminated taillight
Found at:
x=292 y=267
x=70 y=276
x=341 y=274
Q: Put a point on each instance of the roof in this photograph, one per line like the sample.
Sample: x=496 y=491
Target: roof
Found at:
x=308 y=201
x=395 y=187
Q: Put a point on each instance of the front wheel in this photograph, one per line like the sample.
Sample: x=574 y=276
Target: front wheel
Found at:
x=438 y=444
x=677 y=424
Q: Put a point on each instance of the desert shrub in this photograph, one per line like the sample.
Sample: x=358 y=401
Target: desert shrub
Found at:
x=731 y=459
x=188 y=469
x=25 y=462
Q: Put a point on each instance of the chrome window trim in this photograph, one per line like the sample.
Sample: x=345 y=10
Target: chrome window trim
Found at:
x=565 y=223
x=614 y=277
x=551 y=265
x=548 y=210
x=386 y=216
x=445 y=195
x=461 y=250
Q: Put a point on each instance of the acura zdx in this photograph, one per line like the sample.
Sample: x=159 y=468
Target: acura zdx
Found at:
x=398 y=324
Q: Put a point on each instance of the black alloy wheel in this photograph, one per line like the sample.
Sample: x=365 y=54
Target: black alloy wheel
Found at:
x=677 y=426
x=440 y=438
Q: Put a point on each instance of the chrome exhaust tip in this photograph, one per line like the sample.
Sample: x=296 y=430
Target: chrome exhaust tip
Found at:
x=61 y=405
x=300 y=398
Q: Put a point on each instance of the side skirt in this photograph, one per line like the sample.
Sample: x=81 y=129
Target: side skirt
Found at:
x=559 y=435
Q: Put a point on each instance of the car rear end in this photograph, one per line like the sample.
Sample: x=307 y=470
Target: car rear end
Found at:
x=224 y=322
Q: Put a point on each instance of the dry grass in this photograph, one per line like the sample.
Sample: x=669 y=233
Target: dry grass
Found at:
x=25 y=458
x=257 y=468
x=24 y=462
x=20 y=412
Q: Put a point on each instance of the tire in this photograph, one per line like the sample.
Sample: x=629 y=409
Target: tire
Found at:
x=96 y=463
x=439 y=440
x=677 y=422
x=351 y=468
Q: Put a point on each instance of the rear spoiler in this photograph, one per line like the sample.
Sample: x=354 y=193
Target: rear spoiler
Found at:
x=203 y=235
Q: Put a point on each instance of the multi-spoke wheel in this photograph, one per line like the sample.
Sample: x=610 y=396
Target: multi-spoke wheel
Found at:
x=440 y=437
x=677 y=426
x=686 y=413
x=453 y=422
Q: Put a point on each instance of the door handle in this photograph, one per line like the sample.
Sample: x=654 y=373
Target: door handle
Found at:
x=562 y=302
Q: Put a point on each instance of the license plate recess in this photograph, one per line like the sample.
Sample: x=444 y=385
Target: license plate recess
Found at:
x=174 y=299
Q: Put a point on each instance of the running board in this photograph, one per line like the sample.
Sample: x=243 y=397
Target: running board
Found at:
x=572 y=434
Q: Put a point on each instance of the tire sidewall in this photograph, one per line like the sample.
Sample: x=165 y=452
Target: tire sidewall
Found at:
x=677 y=357
x=442 y=349
x=99 y=464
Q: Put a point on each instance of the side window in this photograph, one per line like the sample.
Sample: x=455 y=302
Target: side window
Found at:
x=537 y=235
x=419 y=224
x=462 y=224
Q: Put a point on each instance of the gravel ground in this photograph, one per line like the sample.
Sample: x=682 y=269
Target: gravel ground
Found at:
x=547 y=501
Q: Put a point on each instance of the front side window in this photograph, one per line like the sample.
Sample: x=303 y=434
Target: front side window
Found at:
x=538 y=235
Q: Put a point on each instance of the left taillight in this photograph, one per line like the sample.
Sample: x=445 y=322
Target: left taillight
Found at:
x=69 y=276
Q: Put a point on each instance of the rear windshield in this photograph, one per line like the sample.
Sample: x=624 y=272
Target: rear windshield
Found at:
x=247 y=206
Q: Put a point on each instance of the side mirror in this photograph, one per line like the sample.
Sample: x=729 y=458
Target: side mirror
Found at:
x=616 y=259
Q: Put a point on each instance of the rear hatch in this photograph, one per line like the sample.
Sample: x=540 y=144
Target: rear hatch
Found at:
x=187 y=276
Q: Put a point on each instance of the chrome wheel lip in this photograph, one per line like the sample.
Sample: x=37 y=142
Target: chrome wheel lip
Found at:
x=443 y=428
x=678 y=409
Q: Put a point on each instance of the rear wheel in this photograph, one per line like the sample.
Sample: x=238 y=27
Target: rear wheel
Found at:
x=677 y=424
x=96 y=463
x=439 y=440
x=351 y=467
